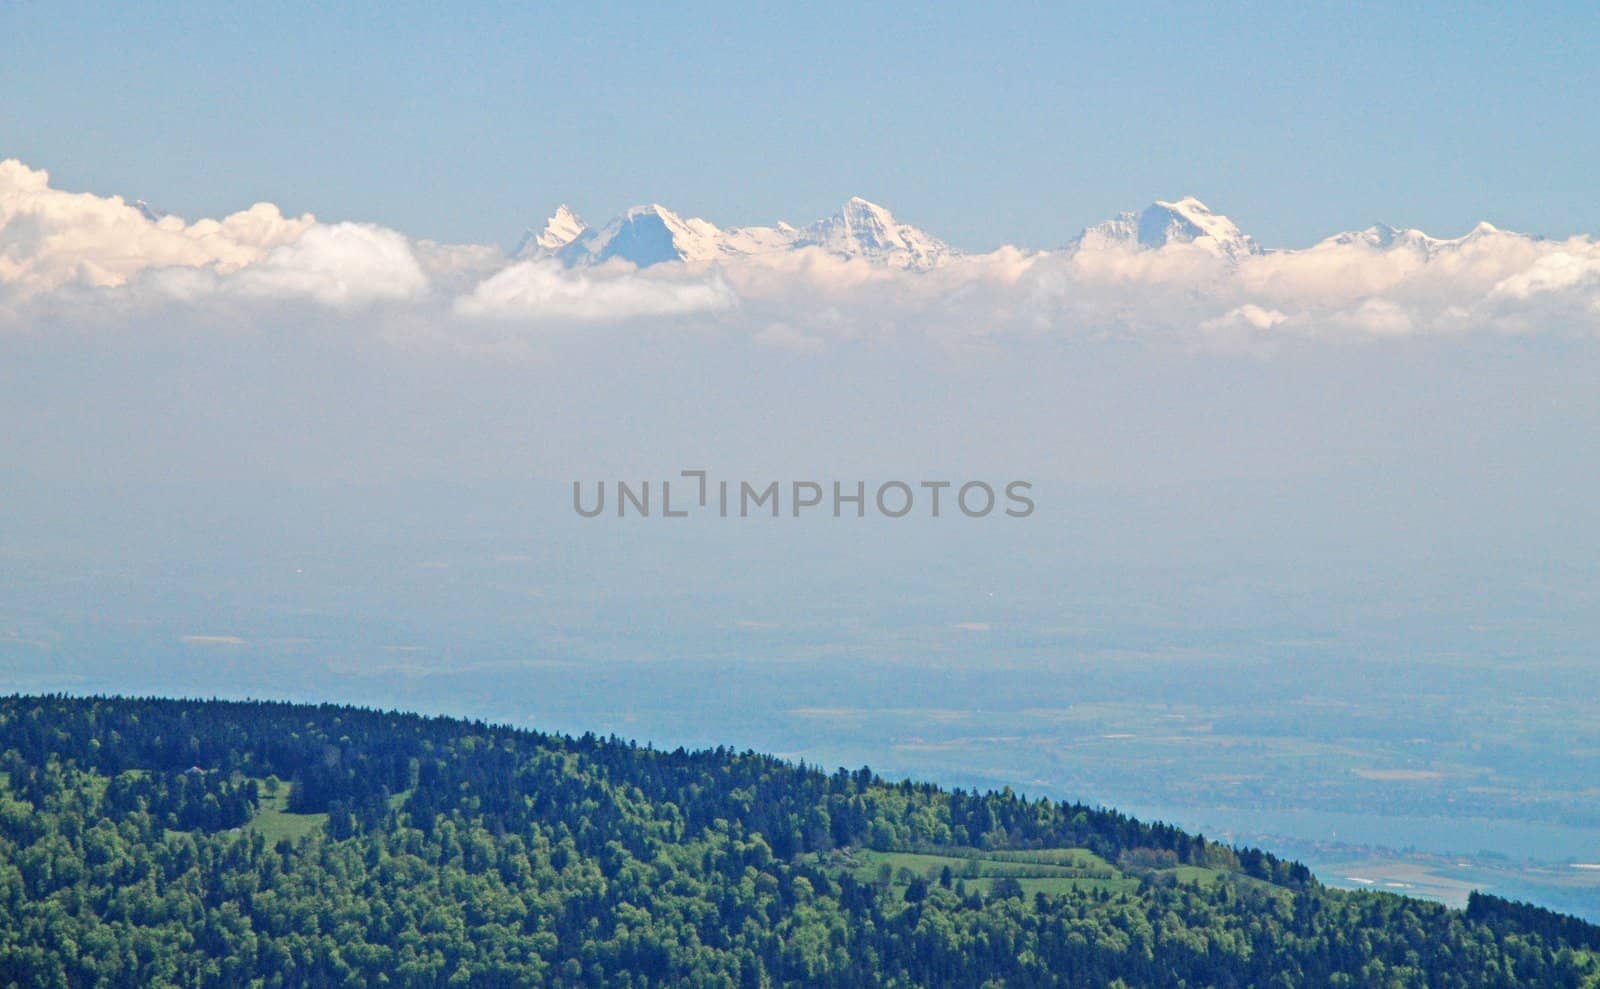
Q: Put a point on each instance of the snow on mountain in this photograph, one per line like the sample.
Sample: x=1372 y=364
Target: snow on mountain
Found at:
x=1383 y=237
x=653 y=234
x=866 y=230
x=561 y=229
x=759 y=240
x=645 y=235
x=1186 y=221
x=1379 y=236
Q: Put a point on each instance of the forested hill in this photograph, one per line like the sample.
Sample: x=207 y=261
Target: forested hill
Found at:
x=190 y=843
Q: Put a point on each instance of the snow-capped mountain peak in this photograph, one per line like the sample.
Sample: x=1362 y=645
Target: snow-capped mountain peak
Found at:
x=1164 y=223
x=863 y=229
x=652 y=234
x=866 y=213
x=563 y=227
x=1386 y=237
x=645 y=235
x=1184 y=222
x=1383 y=237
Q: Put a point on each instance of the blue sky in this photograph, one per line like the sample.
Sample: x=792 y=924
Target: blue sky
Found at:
x=1020 y=123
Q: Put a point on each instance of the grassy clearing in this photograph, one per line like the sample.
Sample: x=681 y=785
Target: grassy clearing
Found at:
x=1076 y=858
x=1055 y=870
x=1048 y=870
x=275 y=823
x=1196 y=874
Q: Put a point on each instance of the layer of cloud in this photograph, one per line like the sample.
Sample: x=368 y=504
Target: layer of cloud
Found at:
x=51 y=239
x=76 y=256
x=544 y=290
x=338 y=265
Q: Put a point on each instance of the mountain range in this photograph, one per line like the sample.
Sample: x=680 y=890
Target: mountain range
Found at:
x=653 y=234
x=647 y=235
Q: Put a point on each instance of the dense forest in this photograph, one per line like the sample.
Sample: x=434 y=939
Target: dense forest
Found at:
x=204 y=843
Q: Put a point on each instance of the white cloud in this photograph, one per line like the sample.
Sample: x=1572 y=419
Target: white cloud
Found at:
x=337 y=265
x=1488 y=281
x=1249 y=316
x=1558 y=272
x=544 y=290
x=58 y=246
x=50 y=239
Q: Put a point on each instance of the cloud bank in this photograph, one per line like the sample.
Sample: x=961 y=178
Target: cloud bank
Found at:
x=542 y=289
x=1173 y=273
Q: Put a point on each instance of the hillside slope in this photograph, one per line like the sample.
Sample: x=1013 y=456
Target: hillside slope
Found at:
x=160 y=842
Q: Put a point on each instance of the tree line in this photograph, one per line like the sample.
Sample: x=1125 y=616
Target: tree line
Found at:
x=459 y=853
